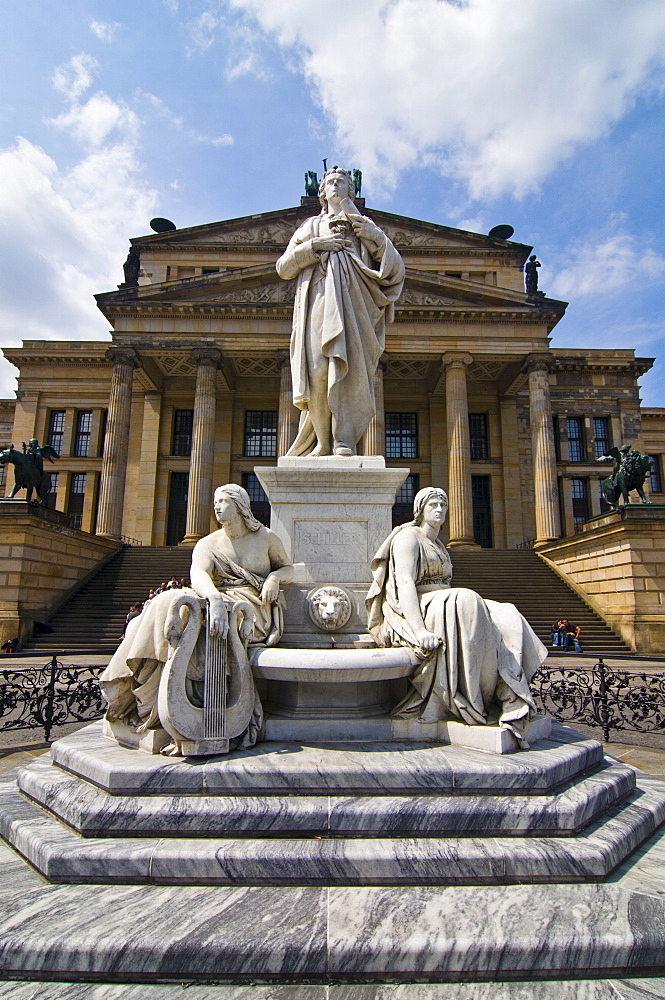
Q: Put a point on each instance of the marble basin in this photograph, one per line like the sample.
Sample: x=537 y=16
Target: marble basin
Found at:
x=337 y=666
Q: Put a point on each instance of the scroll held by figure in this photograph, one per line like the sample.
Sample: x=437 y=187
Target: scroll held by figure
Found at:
x=183 y=665
x=349 y=276
x=476 y=656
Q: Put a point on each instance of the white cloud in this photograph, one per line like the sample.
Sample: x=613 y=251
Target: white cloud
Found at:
x=93 y=122
x=162 y=109
x=75 y=77
x=493 y=93
x=68 y=228
x=598 y=267
x=203 y=31
x=105 y=30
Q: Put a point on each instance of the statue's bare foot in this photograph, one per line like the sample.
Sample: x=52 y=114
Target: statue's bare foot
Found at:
x=343 y=450
x=319 y=451
x=171 y=750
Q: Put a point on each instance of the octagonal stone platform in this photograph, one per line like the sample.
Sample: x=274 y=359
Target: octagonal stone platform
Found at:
x=288 y=814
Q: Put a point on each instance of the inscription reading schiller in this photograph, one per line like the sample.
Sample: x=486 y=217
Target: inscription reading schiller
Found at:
x=318 y=541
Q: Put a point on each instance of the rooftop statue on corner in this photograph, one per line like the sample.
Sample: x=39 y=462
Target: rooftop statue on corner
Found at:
x=531 y=275
x=349 y=277
x=183 y=668
x=29 y=472
x=631 y=468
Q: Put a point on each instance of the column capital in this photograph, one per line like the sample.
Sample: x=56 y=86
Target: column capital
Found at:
x=456 y=359
x=123 y=356
x=207 y=356
x=537 y=363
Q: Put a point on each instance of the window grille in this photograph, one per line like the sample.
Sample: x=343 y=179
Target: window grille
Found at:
x=575 y=439
x=260 y=433
x=82 y=436
x=601 y=434
x=183 y=421
x=479 y=436
x=56 y=430
x=401 y=435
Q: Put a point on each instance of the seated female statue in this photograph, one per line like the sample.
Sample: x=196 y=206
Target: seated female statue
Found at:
x=477 y=656
x=241 y=562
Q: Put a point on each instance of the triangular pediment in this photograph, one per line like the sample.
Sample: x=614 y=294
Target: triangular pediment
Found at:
x=260 y=286
x=276 y=228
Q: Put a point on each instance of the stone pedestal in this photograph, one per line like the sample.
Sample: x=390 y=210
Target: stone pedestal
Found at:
x=332 y=513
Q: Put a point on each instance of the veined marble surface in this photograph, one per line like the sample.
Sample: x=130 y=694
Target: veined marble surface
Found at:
x=651 y=989
x=62 y=855
x=92 y=812
x=308 y=934
x=356 y=768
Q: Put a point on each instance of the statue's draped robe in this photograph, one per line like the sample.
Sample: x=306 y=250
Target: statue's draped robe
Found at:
x=349 y=297
x=130 y=682
x=488 y=654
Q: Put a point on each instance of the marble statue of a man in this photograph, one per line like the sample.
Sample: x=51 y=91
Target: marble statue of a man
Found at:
x=349 y=278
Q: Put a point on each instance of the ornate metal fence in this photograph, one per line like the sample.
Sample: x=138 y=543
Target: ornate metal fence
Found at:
x=603 y=696
x=49 y=696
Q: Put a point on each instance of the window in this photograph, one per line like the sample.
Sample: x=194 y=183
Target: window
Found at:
x=557 y=439
x=182 y=432
x=82 y=437
x=575 y=439
x=257 y=496
x=656 y=479
x=580 y=494
x=601 y=434
x=3 y=476
x=51 y=496
x=403 y=506
x=480 y=448
x=260 y=433
x=56 y=429
x=401 y=435
x=482 y=511
x=76 y=497
x=102 y=432
x=176 y=520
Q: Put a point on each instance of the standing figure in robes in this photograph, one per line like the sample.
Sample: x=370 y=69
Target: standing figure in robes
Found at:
x=476 y=656
x=349 y=278
x=242 y=561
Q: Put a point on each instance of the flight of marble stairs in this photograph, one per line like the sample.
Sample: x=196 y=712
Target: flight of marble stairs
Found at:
x=339 y=814
x=93 y=618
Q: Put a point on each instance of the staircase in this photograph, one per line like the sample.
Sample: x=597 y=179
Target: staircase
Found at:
x=521 y=577
x=93 y=619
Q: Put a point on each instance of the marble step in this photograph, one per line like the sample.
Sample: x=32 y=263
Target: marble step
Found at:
x=339 y=769
x=63 y=856
x=281 y=936
x=94 y=813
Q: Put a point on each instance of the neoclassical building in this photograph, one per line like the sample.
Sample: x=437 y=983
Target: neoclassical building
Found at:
x=195 y=389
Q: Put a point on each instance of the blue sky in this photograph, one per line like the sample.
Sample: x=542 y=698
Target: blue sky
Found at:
x=546 y=116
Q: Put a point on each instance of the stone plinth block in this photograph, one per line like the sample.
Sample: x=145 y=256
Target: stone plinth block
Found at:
x=616 y=564
x=332 y=513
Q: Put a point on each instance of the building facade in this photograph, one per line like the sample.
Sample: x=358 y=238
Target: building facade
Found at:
x=194 y=390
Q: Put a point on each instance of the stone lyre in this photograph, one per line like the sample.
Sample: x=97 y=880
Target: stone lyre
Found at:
x=214 y=690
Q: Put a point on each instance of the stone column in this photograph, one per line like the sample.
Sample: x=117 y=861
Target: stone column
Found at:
x=199 y=505
x=544 y=455
x=374 y=438
x=114 y=463
x=459 y=452
x=288 y=415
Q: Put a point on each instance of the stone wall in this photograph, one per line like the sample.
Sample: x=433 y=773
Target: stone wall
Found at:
x=42 y=560
x=617 y=563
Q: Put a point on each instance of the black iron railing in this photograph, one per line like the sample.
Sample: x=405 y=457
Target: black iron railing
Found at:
x=49 y=696
x=608 y=698
x=602 y=696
